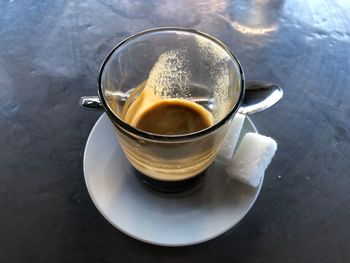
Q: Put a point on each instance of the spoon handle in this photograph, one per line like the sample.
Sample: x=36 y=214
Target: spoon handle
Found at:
x=259 y=96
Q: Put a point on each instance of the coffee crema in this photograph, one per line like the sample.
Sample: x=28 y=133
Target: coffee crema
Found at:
x=174 y=117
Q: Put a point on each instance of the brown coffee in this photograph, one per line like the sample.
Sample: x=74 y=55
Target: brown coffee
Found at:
x=168 y=116
x=147 y=111
x=174 y=117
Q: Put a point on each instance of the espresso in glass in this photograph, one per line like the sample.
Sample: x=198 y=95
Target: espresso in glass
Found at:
x=171 y=95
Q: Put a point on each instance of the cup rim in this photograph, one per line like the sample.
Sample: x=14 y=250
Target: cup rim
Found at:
x=158 y=137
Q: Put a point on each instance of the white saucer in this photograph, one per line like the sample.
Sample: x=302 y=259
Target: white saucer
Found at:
x=198 y=215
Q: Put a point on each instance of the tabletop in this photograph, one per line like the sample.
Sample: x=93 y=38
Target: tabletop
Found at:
x=50 y=54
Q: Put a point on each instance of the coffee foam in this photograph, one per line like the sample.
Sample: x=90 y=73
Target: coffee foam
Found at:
x=170 y=75
x=218 y=59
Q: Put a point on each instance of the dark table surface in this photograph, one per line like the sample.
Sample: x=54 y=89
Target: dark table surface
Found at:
x=50 y=53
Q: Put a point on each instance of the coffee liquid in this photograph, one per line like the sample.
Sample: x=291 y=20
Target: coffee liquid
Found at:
x=174 y=117
x=170 y=116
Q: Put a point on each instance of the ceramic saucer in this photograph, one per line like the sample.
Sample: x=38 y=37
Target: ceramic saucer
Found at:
x=212 y=207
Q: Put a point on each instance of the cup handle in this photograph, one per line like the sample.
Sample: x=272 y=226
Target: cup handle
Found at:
x=91 y=102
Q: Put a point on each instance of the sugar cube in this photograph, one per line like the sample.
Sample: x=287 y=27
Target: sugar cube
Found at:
x=251 y=159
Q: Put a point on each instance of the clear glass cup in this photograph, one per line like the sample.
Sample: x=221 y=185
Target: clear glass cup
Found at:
x=194 y=67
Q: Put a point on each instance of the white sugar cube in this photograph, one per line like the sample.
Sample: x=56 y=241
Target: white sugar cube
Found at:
x=232 y=136
x=251 y=159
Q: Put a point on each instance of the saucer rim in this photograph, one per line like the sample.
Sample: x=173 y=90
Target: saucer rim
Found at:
x=199 y=241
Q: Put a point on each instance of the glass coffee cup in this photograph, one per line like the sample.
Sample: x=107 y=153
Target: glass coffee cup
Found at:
x=169 y=66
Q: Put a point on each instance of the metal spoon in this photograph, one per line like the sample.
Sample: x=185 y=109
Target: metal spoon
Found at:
x=259 y=96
